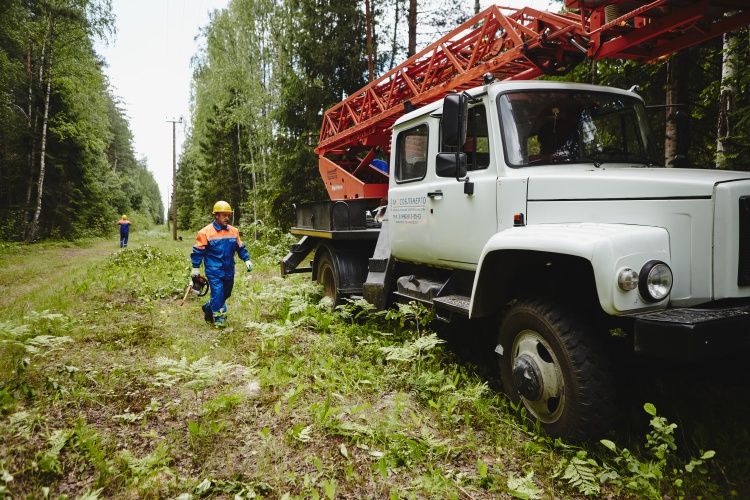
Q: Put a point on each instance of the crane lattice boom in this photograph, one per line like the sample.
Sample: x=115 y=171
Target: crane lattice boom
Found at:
x=508 y=44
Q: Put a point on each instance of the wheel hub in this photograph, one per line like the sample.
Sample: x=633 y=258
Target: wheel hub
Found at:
x=527 y=378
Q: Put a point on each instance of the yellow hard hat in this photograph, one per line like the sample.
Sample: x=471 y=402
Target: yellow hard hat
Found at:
x=124 y=217
x=222 y=206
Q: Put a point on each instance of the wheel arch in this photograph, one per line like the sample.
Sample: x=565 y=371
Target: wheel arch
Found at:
x=350 y=264
x=516 y=274
x=594 y=253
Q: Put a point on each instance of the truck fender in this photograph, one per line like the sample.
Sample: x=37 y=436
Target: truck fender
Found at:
x=349 y=260
x=607 y=248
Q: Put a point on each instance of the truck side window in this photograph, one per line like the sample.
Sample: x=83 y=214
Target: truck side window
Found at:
x=411 y=154
x=477 y=145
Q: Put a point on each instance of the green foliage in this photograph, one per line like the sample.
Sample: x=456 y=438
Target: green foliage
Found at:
x=659 y=476
x=412 y=351
x=413 y=313
x=239 y=489
x=6 y=477
x=90 y=173
x=524 y=487
x=294 y=400
x=92 y=447
x=150 y=273
x=226 y=154
x=265 y=73
x=267 y=245
x=130 y=418
x=581 y=474
x=146 y=472
x=49 y=460
x=20 y=344
x=197 y=375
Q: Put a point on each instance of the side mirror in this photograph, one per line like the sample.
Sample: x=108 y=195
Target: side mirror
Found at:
x=450 y=165
x=455 y=110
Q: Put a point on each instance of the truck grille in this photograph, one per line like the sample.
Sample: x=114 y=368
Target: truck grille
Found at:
x=743 y=264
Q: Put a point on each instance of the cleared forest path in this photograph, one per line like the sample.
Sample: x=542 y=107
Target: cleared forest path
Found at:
x=36 y=277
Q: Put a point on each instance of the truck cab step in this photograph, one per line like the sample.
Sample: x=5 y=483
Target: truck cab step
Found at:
x=455 y=303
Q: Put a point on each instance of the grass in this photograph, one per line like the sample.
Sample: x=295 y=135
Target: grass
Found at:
x=108 y=388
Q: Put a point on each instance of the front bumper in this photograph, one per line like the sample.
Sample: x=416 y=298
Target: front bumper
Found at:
x=692 y=334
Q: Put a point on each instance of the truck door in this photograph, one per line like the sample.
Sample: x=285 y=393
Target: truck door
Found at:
x=407 y=196
x=460 y=222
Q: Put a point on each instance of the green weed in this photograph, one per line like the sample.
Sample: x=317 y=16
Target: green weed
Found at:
x=196 y=376
x=20 y=344
x=148 y=273
x=653 y=477
x=149 y=473
x=49 y=460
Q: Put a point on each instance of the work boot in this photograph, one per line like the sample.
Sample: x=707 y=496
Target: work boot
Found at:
x=207 y=314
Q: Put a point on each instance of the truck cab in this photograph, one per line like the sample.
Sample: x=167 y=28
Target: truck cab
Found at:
x=541 y=203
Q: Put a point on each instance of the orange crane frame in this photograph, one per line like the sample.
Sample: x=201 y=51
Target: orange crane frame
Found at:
x=510 y=45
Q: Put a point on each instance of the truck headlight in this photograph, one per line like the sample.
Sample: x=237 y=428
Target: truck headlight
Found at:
x=656 y=281
x=627 y=279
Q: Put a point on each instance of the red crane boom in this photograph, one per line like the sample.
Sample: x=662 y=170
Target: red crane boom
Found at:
x=509 y=44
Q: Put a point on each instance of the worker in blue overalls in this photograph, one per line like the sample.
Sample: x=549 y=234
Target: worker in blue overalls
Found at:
x=215 y=246
x=124 y=224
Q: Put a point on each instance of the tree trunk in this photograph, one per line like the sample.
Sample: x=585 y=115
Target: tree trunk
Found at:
x=412 y=49
x=31 y=236
x=676 y=96
x=32 y=133
x=255 y=194
x=727 y=100
x=368 y=21
x=394 y=42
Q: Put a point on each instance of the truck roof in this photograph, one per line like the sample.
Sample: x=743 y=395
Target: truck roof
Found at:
x=512 y=85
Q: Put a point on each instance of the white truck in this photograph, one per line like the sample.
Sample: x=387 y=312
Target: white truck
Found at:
x=542 y=204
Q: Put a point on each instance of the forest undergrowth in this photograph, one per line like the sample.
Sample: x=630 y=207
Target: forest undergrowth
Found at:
x=110 y=389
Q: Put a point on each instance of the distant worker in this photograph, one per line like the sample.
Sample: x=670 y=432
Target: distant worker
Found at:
x=124 y=224
x=215 y=246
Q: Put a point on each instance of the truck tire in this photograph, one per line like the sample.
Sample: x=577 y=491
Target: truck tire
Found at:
x=326 y=273
x=550 y=363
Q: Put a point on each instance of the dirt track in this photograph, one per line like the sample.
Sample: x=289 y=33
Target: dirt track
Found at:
x=37 y=274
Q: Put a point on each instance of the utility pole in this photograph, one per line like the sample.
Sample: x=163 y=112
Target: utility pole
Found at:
x=174 y=177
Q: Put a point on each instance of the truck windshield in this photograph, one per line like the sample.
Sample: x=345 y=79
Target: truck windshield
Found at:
x=543 y=127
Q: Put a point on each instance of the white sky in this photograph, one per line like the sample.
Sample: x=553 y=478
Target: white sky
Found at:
x=149 y=70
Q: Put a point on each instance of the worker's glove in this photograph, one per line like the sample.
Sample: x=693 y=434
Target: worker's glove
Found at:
x=249 y=265
x=196 y=271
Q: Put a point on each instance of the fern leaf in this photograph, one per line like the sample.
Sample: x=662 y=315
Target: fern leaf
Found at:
x=581 y=475
x=524 y=487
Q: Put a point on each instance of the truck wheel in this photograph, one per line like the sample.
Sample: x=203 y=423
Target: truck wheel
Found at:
x=551 y=364
x=327 y=277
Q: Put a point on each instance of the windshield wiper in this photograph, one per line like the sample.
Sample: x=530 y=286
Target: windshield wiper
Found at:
x=556 y=160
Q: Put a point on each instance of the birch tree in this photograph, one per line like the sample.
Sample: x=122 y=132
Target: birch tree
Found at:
x=65 y=23
x=728 y=92
x=233 y=100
